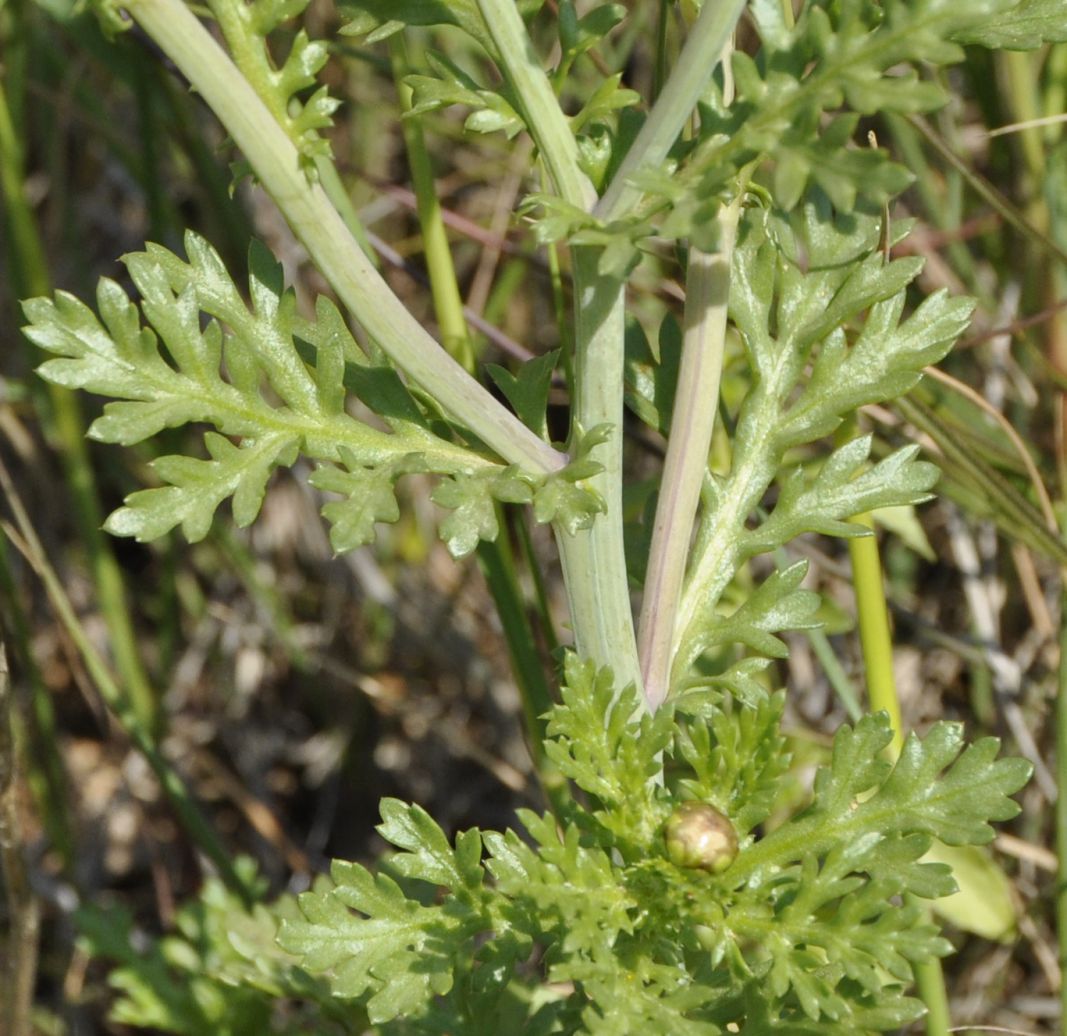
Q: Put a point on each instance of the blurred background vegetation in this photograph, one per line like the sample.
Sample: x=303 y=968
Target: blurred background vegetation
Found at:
x=289 y=690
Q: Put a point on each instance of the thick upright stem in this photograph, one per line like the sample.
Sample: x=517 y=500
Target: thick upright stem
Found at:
x=336 y=253
x=594 y=560
x=707 y=295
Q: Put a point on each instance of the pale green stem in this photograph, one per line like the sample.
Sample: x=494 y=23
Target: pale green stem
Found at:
x=594 y=560
x=336 y=191
x=540 y=108
x=703 y=346
x=328 y=241
x=698 y=59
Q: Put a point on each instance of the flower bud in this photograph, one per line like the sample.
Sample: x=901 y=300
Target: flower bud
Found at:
x=699 y=836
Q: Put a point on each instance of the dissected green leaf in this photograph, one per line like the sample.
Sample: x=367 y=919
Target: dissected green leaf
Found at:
x=248 y=372
x=1026 y=25
x=365 y=16
x=220 y=970
x=527 y=391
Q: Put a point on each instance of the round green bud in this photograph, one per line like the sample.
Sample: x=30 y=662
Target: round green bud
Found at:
x=699 y=836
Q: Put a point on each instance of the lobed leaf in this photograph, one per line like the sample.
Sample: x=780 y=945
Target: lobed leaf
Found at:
x=1024 y=26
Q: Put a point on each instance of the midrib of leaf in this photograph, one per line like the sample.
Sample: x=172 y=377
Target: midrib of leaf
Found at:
x=721 y=539
x=323 y=437
x=818 y=834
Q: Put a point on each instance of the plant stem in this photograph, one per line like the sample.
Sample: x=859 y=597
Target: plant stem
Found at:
x=688 y=80
x=873 y=616
x=331 y=246
x=447 y=301
x=693 y=421
x=594 y=560
x=540 y=108
x=877 y=645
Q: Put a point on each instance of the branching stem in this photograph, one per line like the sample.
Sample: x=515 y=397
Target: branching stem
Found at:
x=330 y=244
x=594 y=560
x=688 y=80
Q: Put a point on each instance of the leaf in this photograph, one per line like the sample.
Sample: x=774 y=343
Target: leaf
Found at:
x=778 y=604
x=369 y=498
x=197 y=487
x=186 y=369
x=375 y=944
x=563 y=497
x=472 y=500
x=449 y=85
x=737 y=759
x=824 y=503
x=604 y=740
x=528 y=391
x=886 y=360
x=365 y=15
x=1026 y=25
x=428 y=856
x=937 y=788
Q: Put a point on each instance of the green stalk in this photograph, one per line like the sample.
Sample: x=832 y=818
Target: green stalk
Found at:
x=447 y=301
x=30 y=275
x=328 y=241
x=697 y=61
x=873 y=616
x=594 y=560
x=692 y=423
x=877 y=645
